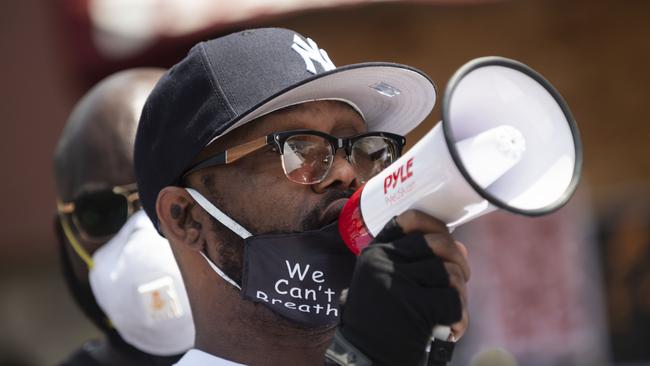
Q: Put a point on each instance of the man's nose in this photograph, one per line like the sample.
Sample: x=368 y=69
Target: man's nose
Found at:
x=342 y=175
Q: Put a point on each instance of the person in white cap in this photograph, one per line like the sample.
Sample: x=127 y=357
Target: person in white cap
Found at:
x=121 y=273
x=246 y=151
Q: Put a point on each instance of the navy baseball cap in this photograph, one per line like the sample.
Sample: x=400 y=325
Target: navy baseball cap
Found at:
x=227 y=82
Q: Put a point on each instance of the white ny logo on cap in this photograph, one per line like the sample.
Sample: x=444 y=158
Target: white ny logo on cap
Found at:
x=310 y=52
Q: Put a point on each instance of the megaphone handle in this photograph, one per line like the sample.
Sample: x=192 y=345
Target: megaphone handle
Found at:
x=442 y=346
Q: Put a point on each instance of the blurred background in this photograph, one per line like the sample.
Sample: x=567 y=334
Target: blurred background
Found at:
x=572 y=288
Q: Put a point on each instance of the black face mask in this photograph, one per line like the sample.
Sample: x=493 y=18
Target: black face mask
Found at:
x=299 y=276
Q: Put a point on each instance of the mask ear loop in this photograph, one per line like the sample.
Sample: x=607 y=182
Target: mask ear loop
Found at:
x=221 y=273
x=225 y=220
x=74 y=243
x=81 y=252
x=218 y=214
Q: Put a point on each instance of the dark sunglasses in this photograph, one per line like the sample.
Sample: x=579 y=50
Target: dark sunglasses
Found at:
x=307 y=155
x=99 y=214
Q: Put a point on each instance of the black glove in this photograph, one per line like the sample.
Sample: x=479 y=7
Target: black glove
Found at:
x=399 y=292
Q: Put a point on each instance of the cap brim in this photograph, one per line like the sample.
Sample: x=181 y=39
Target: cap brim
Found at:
x=392 y=97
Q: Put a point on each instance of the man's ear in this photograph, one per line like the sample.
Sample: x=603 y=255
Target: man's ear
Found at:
x=180 y=218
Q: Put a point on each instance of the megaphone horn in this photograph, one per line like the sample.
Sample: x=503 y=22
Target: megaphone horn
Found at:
x=507 y=140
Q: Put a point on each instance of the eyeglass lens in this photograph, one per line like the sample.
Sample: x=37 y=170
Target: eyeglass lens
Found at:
x=372 y=154
x=307 y=159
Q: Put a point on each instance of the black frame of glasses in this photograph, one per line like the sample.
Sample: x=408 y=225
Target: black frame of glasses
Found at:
x=279 y=138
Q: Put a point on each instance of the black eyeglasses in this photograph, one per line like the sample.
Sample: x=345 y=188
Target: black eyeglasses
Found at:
x=99 y=214
x=307 y=155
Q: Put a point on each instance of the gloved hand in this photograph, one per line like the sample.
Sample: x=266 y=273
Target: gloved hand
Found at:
x=409 y=280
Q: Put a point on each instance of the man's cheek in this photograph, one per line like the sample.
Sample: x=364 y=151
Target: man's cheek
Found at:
x=274 y=203
x=299 y=212
x=278 y=211
x=267 y=168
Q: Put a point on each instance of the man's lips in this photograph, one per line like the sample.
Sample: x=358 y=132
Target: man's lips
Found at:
x=332 y=211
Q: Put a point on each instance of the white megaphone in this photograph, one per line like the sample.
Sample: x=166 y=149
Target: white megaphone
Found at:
x=507 y=140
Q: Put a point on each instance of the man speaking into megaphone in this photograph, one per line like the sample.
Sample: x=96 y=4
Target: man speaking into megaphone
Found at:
x=507 y=140
x=246 y=153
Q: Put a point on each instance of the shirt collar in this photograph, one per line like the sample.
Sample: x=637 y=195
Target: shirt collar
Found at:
x=198 y=357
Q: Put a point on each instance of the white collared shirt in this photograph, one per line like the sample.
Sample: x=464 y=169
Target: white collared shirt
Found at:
x=195 y=357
